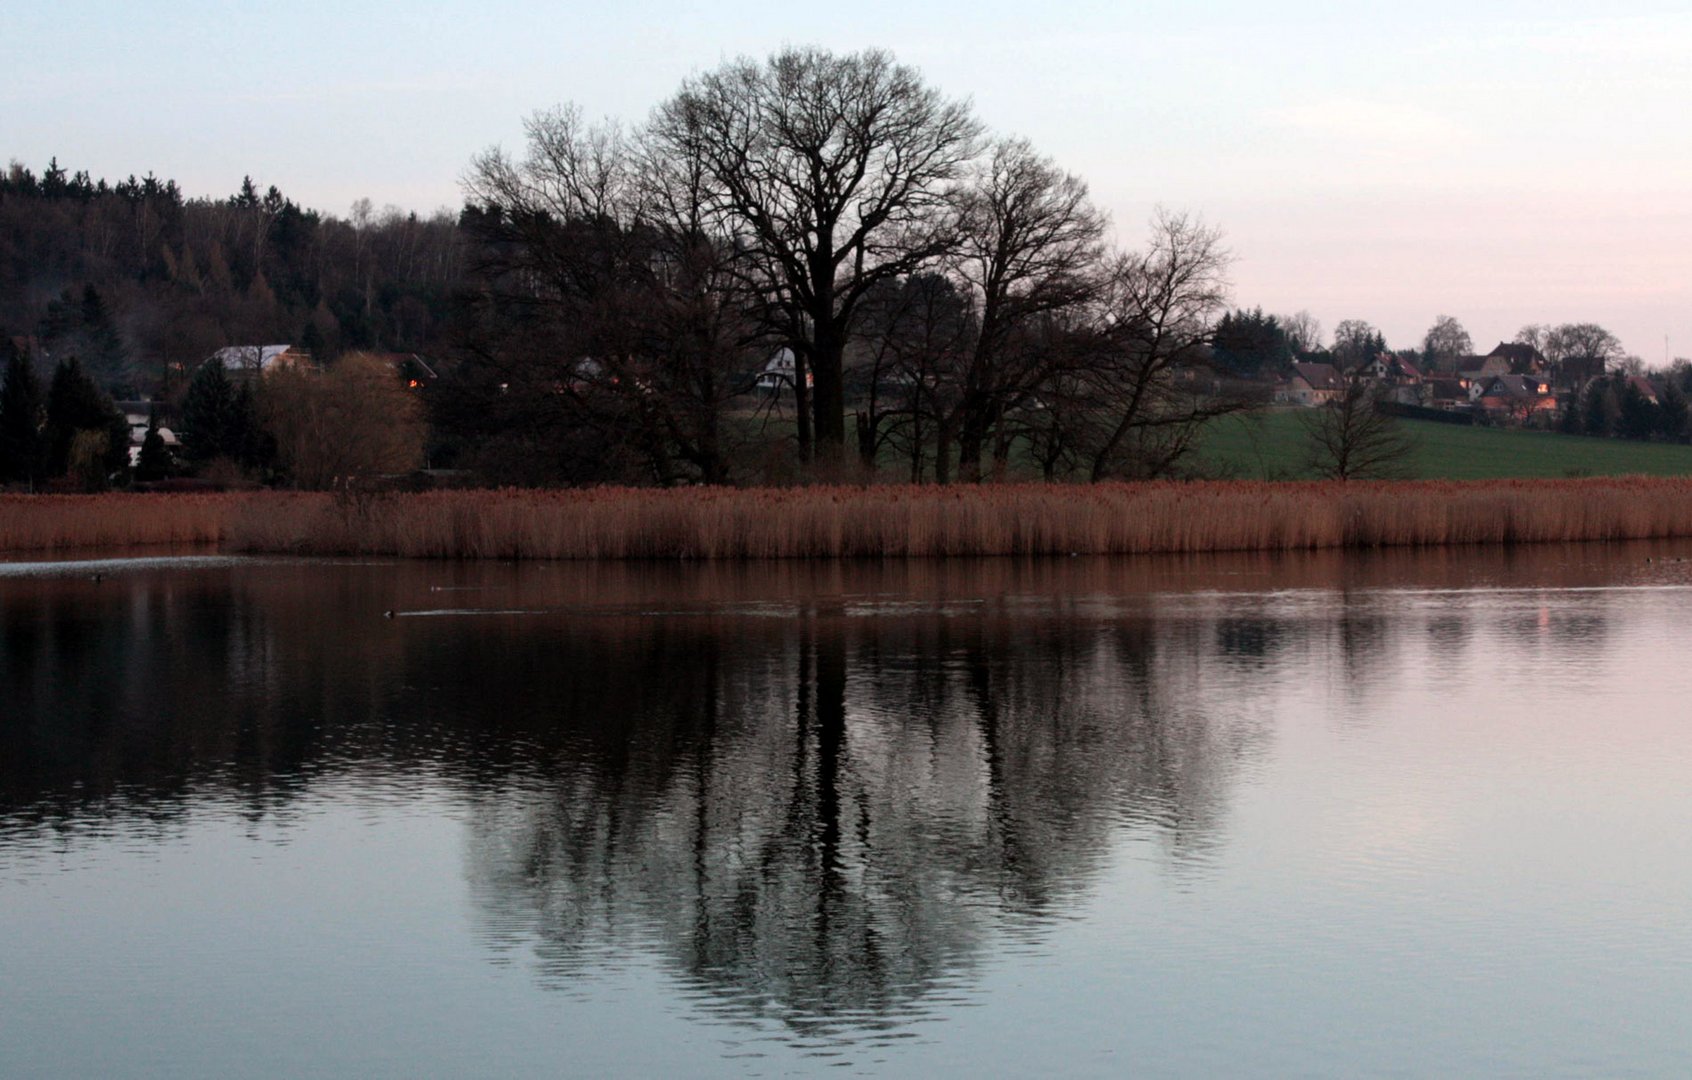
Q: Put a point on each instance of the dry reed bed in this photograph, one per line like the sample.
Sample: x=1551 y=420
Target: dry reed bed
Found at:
x=834 y=522
x=47 y=523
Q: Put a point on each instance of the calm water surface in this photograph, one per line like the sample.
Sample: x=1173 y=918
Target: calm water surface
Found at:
x=1321 y=816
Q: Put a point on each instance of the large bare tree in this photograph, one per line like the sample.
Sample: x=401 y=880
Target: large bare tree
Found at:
x=1445 y=341
x=1351 y=438
x=1304 y=332
x=1138 y=416
x=920 y=332
x=838 y=170
x=1583 y=351
x=622 y=310
x=1030 y=251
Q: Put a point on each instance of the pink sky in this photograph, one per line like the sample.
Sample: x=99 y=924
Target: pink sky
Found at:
x=1503 y=161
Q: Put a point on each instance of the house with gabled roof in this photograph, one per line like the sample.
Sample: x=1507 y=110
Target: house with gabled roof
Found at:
x=1447 y=393
x=1397 y=370
x=1647 y=389
x=1523 y=359
x=1514 y=397
x=1313 y=384
x=1478 y=369
x=780 y=372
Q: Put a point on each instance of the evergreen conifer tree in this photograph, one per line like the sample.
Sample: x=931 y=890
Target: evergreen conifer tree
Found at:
x=154 y=462
x=210 y=426
x=102 y=345
x=1573 y=421
x=250 y=444
x=76 y=405
x=1600 y=407
x=1672 y=413
x=21 y=416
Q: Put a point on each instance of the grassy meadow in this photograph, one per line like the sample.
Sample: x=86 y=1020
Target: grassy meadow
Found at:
x=1272 y=445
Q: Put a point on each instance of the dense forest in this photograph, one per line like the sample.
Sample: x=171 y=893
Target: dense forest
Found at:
x=133 y=277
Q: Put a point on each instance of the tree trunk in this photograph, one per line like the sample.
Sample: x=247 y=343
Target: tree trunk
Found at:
x=828 y=400
x=866 y=442
x=970 y=437
x=943 y=454
x=916 y=446
x=802 y=405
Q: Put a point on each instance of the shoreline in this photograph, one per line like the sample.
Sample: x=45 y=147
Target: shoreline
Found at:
x=839 y=522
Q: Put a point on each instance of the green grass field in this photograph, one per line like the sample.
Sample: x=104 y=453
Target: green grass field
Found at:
x=1273 y=445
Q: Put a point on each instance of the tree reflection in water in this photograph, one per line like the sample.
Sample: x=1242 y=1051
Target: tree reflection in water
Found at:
x=822 y=796
x=845 y=812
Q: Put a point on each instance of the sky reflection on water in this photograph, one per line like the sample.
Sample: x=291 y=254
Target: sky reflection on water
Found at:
x=1330 y=815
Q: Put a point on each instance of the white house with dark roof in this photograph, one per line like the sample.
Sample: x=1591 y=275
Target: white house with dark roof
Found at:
x=780 y=371
x=1314 y=384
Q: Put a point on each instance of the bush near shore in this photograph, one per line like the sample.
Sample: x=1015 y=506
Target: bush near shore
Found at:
x=846 y=522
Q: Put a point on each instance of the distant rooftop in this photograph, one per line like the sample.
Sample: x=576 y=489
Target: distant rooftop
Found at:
x=251 y=357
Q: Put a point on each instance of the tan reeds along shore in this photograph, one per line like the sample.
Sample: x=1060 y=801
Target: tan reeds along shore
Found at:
x=849 y=522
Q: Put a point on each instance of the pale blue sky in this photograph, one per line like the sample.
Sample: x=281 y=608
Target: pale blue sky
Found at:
x=1503 y=162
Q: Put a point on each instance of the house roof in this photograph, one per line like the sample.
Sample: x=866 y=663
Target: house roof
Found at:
x=248 y=357
x=1518 y=353
x=1516 y=386
x=1470 y=365
x=1320 y=376
x=1643 y=385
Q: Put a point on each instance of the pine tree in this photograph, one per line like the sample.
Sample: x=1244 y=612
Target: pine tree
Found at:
x=21 y=416
x=1639 y=417
x=75 y=406
x=154 y=462
x=1601 y=408
x=209 y=421
x=1573 y=421
x=1672 y=412
x=102 y=345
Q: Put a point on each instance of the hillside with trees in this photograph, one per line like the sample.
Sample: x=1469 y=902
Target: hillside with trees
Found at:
x=138 y=281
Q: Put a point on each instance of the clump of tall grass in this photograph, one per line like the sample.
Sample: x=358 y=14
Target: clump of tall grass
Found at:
x=1026 y=519
x=49 y=523
x=850 y=522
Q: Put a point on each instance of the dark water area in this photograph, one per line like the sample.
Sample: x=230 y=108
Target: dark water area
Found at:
x=1325 y=815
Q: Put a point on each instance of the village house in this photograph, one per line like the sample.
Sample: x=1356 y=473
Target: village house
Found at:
x=1397 y=370
x=1573 y=373
x=778 y=374
x=1647 y=389
x=1403 y=380
x=1449 y=394
x=1312 y=384
x=1523 y=359
x=1477 y=369
x=139 y=416
x=1514 y=397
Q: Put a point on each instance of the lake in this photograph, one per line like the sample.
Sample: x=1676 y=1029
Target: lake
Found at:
x=1327 y=815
